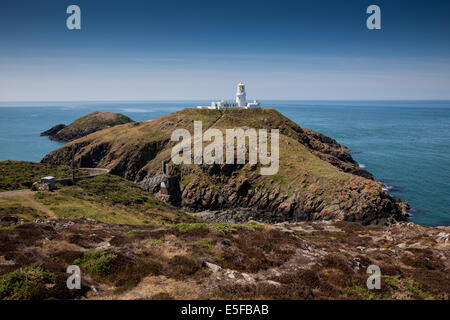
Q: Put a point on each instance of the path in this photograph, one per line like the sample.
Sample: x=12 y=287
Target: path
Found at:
x=5 y=193
x=25 y=196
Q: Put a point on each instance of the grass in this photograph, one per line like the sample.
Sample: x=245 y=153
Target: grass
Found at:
x=100 y=119
x=300 y=169
x=97 y=263
x=391 y=282
x=188 y=227
x=132 y=233
x=365 y=292
x=91 y=123
x=23 y=210
x=235 y=227
x=278 y=178
x=416 y=288
x=110 y=199
x=153 y=241
x=204 y=244
x=7 y=228
x=15 y=175
x=186 y=179
x=117 y=269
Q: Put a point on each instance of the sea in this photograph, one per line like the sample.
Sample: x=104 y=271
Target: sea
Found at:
x=404 y=144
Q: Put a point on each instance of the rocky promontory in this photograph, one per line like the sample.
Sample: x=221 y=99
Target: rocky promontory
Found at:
x=85 y=125
x=317 y=179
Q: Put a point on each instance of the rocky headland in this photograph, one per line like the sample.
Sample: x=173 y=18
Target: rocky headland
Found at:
x=317 y=179
x=85 y=125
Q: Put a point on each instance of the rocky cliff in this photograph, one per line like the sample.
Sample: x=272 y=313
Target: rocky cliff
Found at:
x=85 y=125
x=317 y=177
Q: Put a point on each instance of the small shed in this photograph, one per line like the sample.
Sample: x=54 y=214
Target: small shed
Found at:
x=48 y=180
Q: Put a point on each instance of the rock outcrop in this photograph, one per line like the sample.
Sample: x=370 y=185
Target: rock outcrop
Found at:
x=317 y=177
x=86 y=125
x=53 y=130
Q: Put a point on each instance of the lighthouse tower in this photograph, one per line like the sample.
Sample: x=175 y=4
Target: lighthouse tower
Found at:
x=241 y=96
x=241 y=101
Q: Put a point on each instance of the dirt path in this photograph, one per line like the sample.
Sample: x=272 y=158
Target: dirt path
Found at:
x=217 y=120
x=25 y=197
x=6 y=193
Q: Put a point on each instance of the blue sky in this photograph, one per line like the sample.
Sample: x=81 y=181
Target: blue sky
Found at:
x=156 y=50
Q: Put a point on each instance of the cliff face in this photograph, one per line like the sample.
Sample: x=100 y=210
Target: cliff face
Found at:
x=85 y=125
x=317 y=177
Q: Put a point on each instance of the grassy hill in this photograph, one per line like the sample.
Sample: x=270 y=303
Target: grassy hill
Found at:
x=86 y=125
x=105 y=198
x=15 y=175
x=317 y=179
x=130 y=245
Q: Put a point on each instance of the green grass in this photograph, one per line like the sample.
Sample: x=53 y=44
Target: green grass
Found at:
x=365 y=292
x=95 y=120
x=186 y=179
x=153 y=241
x=7 y=228
x=110 y=199
x=91 y=123
x=391 y=282
x=97 y=263
x=204 y=243
x=187 y=227
x=10 y=207
x=15 y=175
x=132 y=233
x=278 y=178
x=23 y=283
x=235 y=227
x=416 y=288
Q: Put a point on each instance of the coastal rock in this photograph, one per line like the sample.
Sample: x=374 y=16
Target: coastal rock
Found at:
x=86 y=125
x=9 y=219
x=53 y=130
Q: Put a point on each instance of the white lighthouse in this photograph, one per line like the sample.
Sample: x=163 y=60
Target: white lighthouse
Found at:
x=241 y=101
x=241 y=96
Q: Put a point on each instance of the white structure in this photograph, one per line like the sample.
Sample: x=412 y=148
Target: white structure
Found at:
x=241 y=101
x=50 y=180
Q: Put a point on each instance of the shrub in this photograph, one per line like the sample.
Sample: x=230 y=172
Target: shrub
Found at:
x=181 y=266
x=188 y=227
x=97 y=263
x=117 y=269
x=25 y=283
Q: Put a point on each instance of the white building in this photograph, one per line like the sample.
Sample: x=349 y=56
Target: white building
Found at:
x=241 y=101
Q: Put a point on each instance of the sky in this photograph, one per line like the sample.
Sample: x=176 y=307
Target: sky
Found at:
x=200 y=50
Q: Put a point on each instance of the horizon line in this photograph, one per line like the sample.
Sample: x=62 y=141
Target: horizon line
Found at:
x=195 y=100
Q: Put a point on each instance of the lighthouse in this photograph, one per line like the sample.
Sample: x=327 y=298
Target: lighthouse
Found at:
x=241 y=96
x=241 y=101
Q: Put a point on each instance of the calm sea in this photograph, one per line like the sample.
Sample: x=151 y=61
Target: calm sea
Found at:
x=405 y=144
